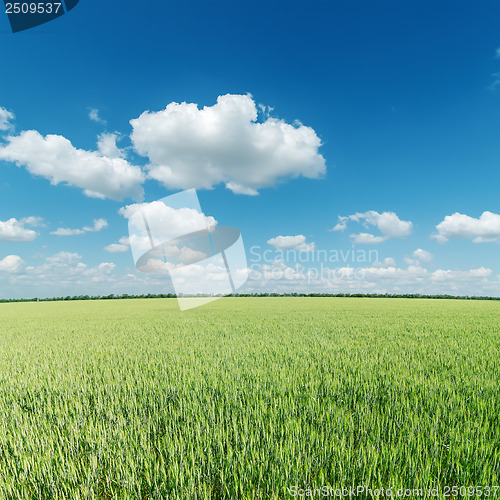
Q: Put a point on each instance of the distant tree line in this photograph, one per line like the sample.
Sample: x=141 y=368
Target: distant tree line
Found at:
x=173 y=296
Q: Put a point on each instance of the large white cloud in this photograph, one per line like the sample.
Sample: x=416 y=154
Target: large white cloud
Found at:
x=15 y=230
x=11 y=264
x=225 y=143
x=56 y=159
x=388 y=223
x=297 y=243
x=485 y=228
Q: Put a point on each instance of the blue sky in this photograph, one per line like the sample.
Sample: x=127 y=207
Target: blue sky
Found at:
x=401 y=97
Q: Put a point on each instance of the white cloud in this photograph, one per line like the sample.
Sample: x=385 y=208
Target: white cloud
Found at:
x=485 y=228
x=388 y=223
x=66 y=268
x=62 y=231
x=94 y=116
x=154 y=224
x=61 y=274
x=292 y=243
x=342 y=224
x=378 y=277
x=422 y=255
x=239 y=189
x=99 y=224
x=106 y=267
x=166 y=222
x=33 y=221
x=63 y=259
x=412 y=273
x=497 y=52
x=14 y=230
x=66 y=274
x=367 y=238
x=189 y=147
x=183 y=254
x=387 y=262
x=178 y=258
x=106 y=144
x=56 y=159
x=5 y=119
x=123 y=245
x=457 y=275
x=116 y=248
x=11 y=264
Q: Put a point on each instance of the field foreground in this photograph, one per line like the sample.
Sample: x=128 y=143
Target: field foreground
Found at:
x=247 y=397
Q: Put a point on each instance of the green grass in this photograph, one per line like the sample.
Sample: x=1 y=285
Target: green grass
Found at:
x=245 y=398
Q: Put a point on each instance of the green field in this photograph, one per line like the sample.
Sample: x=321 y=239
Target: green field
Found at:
x=247 y=397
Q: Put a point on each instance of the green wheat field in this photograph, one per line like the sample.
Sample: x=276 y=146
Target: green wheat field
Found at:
x=246 y=397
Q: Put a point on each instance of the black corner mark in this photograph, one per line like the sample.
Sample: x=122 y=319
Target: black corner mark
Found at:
x=26 y=14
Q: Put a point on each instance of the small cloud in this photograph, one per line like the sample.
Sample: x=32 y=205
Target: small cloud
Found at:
x=33 y=221
x=422 y=255
x=239 y=189
x=94 y=116
x=99 y=224
x=62 y=231
x=388 y=223
x=341 y=225
x=297 y=243
x=496 y=81
x=116 y=248
x=5 y=119
x=367 y=238
x=123 y=245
